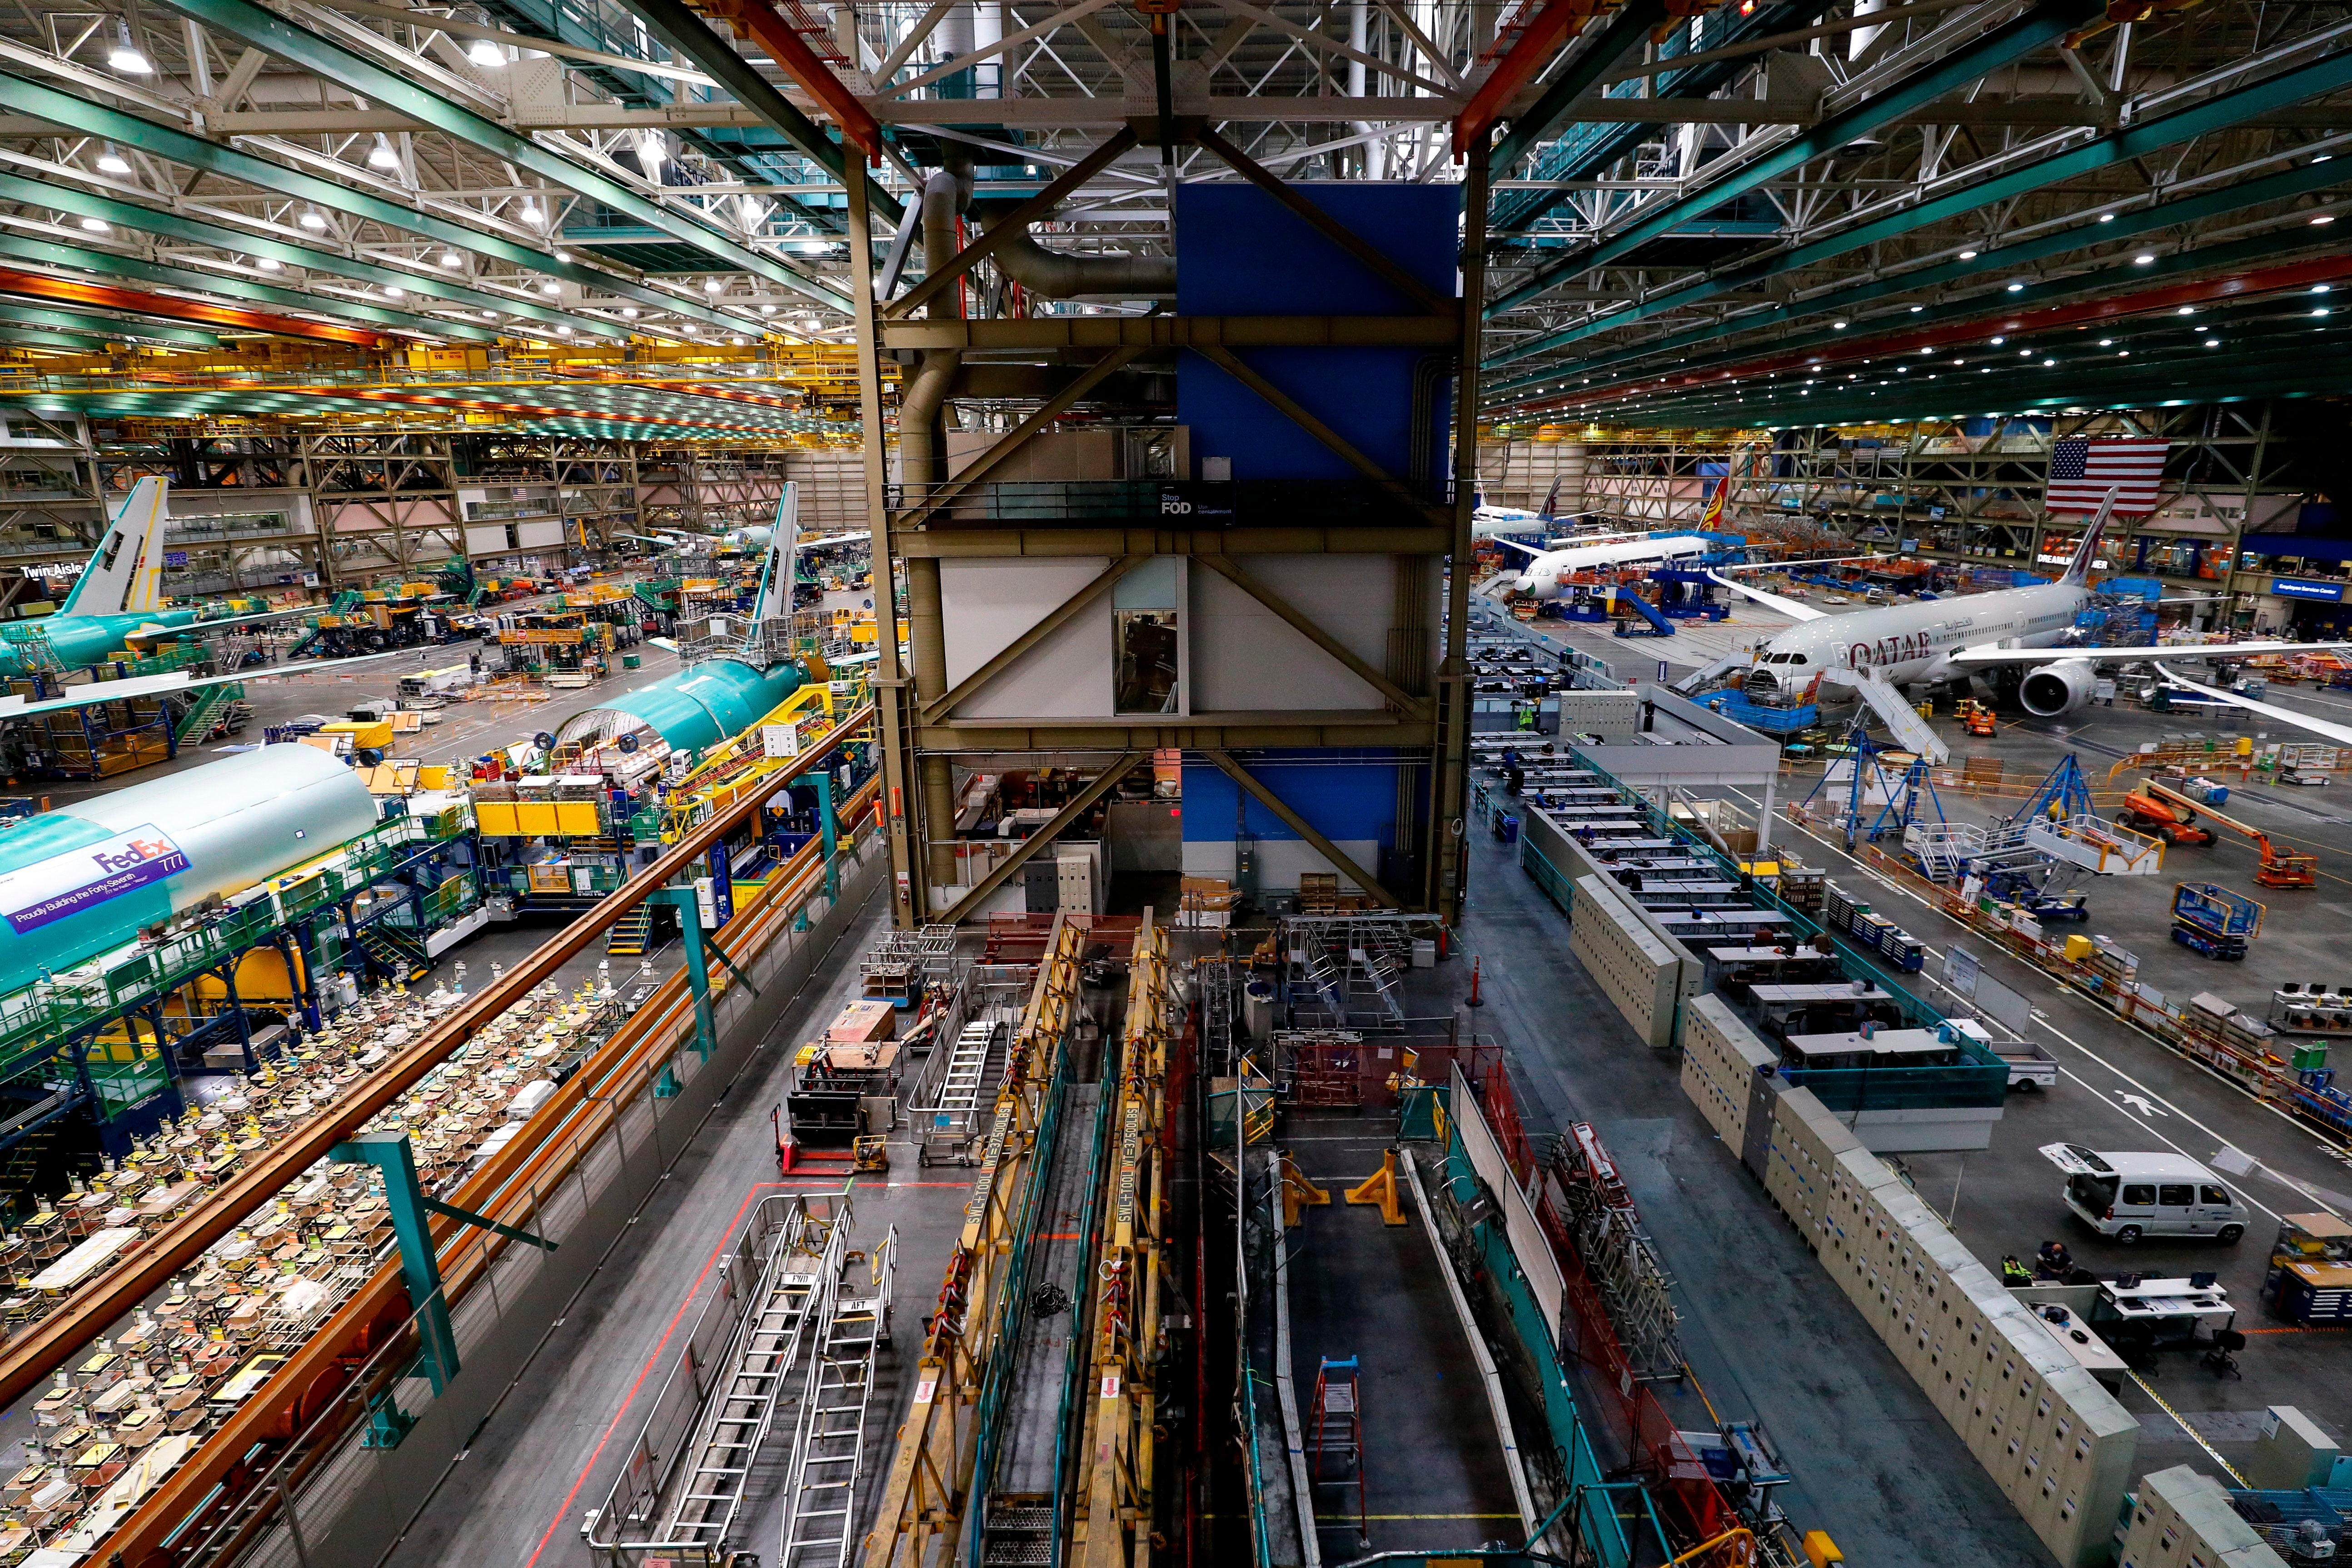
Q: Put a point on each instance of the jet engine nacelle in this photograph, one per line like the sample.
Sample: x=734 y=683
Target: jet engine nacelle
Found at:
x=2057 y=690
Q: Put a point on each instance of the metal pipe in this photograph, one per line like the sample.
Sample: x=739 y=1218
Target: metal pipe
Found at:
x=1058 y=277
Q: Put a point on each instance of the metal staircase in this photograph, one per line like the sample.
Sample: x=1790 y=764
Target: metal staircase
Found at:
x=955 y=1115
x=210 y=710
x=828 y=1452
x=796 y=1289
x=631 y=933
x=395 y=952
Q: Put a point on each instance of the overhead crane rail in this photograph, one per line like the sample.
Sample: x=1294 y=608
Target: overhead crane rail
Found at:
x=357 y=1354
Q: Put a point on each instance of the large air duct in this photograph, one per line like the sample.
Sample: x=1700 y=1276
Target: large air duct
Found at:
x=1053 y=276
x=86 y=877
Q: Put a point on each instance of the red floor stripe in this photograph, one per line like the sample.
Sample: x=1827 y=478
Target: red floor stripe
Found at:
x=652 y=1360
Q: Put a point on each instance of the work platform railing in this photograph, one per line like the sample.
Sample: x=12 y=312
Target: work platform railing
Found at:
x=288 y=1462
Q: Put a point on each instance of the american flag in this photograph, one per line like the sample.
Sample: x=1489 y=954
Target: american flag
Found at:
x=2082 y=470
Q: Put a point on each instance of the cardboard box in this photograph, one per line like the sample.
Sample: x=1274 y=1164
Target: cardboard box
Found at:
x=863 y=1021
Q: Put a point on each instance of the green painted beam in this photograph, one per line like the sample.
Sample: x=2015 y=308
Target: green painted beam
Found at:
x=198 y=231
x=36 y=338
x=2250 y=364
x=113 y=329
x=1624 y=30
x=71 y=113
x=113 y=268
x=2332 y=73
x=691 y=37
x=382 y=84
x=2046 y=24
x=2257 y=250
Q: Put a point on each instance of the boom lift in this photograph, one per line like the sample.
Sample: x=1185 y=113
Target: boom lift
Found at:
x=2281 y=867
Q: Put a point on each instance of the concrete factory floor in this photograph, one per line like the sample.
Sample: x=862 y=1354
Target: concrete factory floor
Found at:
x=550 y=1452
x=1766 y=1334
x=465 y=730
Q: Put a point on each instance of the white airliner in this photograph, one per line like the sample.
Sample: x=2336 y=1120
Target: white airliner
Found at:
x=1548 y=570
x=1878 y=652
x=1492 y=521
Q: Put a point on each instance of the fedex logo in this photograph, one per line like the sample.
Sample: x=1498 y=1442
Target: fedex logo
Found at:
x=83 y=879
x=134 y=852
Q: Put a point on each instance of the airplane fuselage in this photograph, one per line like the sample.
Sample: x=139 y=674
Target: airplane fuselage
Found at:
x=77 y=642
x=1905 y=643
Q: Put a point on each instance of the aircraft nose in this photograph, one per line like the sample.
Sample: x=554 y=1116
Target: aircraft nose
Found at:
x=1526 y=585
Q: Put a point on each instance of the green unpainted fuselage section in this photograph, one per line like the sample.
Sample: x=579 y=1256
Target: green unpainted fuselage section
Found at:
x=77 y=642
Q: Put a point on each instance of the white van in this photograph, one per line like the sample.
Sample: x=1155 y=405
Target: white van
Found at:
x=2131 y=1196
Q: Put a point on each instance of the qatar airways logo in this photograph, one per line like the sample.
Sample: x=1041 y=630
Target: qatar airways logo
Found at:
x=78 y=879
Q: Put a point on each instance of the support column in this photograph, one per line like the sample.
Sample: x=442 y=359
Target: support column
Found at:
x=1450 y=786
x=420 y=1269
x=892 y=699
x=828 y=829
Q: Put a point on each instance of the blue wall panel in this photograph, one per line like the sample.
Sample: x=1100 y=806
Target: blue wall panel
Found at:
x=1345 y=797
x=1241 y=253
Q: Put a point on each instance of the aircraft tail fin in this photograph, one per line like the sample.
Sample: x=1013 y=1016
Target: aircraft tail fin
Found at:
x=774 y=602
x=2078 y=569
x=1551 y=496
x=126 y=572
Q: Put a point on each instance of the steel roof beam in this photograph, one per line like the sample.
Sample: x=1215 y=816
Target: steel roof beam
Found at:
x=66 y=320
x=322 y=56
x=46 y=252
x=197 y=231
x=690 y=37
x=71 y=113
x=2045 y=24
x=2235 y=197
x=2328 y=74
x=1625 y=29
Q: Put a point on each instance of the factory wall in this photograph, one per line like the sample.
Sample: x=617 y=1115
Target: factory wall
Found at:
x=2059 y=1445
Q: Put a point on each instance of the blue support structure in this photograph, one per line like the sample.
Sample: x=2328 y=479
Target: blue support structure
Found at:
x=1658 y=626
x=828 y=829
x=2064 y=795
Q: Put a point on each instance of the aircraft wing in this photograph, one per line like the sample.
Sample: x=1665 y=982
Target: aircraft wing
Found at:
x=147 y=637
x=2339 y=734
x=1977 y=657
x=859 y=537
x=1516 y=544
x=1789 y=608
x=172 y=685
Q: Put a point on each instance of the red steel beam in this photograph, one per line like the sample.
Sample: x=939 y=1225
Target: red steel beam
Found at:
x=2150 y=302
x=33 y=285
x=1551 y=27
x=790 y=50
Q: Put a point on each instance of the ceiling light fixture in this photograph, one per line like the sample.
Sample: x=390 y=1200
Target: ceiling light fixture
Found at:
x=126 y=57
x=269 y=264
x=550 y=289
x=2143 y=259
x=1967 y=255
x=451 y=258
x=2323 y=218
x=111 y=161
x=96 y=226
x=713 y=286
x=312 y=219
x=486 y=53
x=383 y=155
x=630 y=311
x=532 y=212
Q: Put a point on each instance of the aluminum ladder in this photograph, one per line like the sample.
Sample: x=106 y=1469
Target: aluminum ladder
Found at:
x=821 y=1494
x=955 y=1115
x=794 y=1288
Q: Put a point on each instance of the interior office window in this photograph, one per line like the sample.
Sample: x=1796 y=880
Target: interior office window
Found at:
x=1146 y=627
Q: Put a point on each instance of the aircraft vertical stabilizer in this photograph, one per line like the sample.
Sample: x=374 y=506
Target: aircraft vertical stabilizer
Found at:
x=126 y=574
